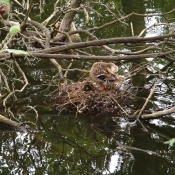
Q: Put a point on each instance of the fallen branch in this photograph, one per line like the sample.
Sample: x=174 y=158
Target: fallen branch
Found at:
x=147 y=100
x=155 y=114
x=12 y=124
x=159 y=113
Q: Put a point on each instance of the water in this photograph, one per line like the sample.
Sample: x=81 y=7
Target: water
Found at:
x=65 y=144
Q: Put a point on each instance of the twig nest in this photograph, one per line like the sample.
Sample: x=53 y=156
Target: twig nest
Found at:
x=85 y=97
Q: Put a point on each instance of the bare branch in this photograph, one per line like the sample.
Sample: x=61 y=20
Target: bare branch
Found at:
x=147 y=100
x=24 y=76
x=158 y=114
x=3 y=57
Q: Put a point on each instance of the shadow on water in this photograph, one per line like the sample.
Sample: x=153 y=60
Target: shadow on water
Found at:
x=86 y=145
x=6 y=128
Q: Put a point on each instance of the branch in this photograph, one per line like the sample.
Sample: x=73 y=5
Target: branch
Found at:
x=105 y=42
x=24 y=76
x=20 y=90
x=42 y=28
x=5 y=56
x=68 y=19
x=5 y=81
x=147 y=100
x=46 y=21
x=156 y=114
x=47 y=40
x=14 y=125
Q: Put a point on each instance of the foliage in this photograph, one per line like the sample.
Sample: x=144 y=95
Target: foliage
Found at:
x=170 y=142
x=5 y=1
x=15 y=29
x=14 y=51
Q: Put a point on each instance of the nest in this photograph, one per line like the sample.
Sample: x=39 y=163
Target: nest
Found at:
x=85 y=97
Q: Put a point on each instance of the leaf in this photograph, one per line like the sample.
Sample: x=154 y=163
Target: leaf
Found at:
x=5 y=2
x=17 y=51
x=170 y=142
x=15 y=29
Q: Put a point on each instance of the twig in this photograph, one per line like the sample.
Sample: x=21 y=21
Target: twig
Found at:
x=145 y=104
x=132 y=29
x=85 y=57
x=24 y=76
x=76 y=69
x=47 y=42
x=119 y=106
x=53 y=14
x=147 y=100
x=122 y=147
x=101 y=42
x=12 y=124
x=29 y=10
x=12 y=115
x=5 y=81
x=36 y=112
x=17 y=90
x=158 y=114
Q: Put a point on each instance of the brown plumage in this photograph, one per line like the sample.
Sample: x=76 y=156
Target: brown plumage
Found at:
x=4 y=9
x=105 y=74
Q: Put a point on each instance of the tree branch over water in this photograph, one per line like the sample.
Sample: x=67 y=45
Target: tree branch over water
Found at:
x=5 y=56
x=158 y=41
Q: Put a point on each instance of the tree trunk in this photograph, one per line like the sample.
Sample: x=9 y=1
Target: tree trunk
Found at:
x=67 y=20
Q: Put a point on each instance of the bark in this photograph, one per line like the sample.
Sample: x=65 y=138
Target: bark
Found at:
x=159 y=114
x=6 y=56
x=14 y=125
x=154 y=115
x=67 y=20
x=102 y=42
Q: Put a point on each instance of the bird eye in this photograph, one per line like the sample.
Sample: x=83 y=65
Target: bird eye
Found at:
x=101 y=76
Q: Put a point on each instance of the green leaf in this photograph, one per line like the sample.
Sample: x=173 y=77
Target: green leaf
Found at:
x=17 y=51
x=170 y=142
x=15 y=29
x=5 y=2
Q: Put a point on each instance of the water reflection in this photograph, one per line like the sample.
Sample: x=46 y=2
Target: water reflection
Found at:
x=63 y=144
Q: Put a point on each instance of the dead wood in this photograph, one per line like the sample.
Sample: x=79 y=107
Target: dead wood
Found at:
x=84 y=97
x=14 y=125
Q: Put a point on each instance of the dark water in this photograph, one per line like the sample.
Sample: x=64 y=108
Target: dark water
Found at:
x=63 y=144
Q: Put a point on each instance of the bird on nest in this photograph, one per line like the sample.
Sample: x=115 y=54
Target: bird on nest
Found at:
x=105 y=75
x=4 y=7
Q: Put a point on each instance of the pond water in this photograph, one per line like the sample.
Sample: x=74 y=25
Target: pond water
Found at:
x=61 y=143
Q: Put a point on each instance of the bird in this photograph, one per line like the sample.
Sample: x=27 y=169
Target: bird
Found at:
x=105 y=74
x=4 y=7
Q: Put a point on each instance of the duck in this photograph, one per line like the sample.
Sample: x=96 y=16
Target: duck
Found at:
x=4 y=8
x=105 y=74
